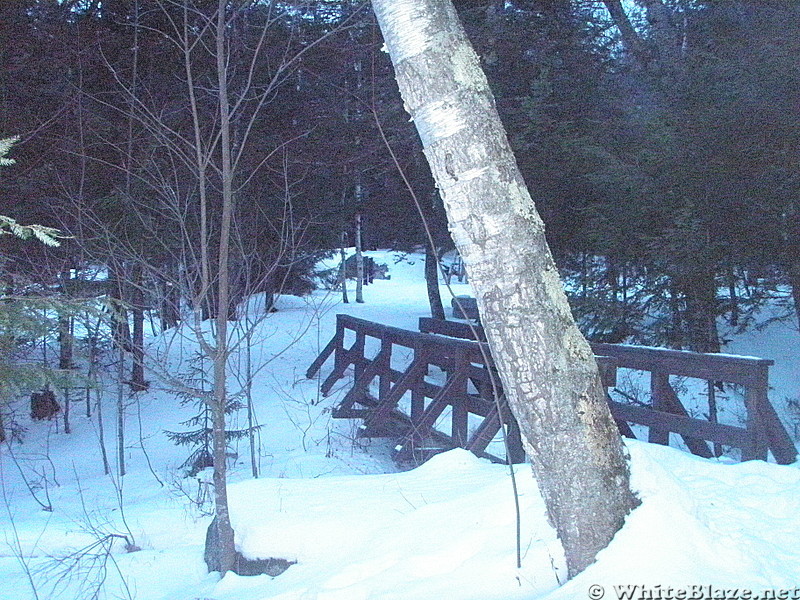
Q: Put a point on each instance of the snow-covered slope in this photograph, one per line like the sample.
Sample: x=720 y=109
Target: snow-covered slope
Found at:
x=357 y=528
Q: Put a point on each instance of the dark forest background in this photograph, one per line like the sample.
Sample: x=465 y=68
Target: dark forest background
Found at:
x=660 y=139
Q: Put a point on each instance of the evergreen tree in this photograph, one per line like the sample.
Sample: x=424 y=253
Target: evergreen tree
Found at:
x=23 y=319
x=197 y=391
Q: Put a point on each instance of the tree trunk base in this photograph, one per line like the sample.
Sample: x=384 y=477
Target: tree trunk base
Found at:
x=241 y=566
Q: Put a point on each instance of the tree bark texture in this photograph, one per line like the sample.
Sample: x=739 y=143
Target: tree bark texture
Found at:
x=432 y=282
x=65 y=330
x=630 y=38
x=138 y=383
x=548 y=371
x=702 y=307
x=794 y=280
x=170 y=299
x=359 y=261
x=663 y=31
x=343 y=270
x=121 y=412
x=219 y=402
x=119 y=314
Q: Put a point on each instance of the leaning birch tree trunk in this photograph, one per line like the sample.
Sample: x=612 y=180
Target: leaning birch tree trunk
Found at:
x=548 y=372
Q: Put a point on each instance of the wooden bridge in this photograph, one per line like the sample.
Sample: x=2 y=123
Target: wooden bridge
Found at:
x=406 y=383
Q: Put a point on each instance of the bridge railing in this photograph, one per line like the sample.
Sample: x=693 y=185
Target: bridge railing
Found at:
x=471 y=388
x=466 y=390
x=666 y=414
x=470 y=395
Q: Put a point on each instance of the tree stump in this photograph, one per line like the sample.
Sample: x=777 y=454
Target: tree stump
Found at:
x=44 y=405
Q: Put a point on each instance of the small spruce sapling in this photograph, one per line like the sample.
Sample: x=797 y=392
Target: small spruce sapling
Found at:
x=197 y=391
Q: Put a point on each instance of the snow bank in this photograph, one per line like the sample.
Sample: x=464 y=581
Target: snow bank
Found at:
x=702 y=522
x=444 y=530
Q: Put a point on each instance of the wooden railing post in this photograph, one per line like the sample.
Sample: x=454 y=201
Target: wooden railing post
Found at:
x=358 y=348
x=385 y=380
x=335 y=347
x=339 y=357
x=418 y=400
x=414 y=436
x=338 y=353
x=756 y=397
x=459 y=417
x=658 y=394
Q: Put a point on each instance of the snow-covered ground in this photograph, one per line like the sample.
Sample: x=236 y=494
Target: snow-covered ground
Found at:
x=357 y=528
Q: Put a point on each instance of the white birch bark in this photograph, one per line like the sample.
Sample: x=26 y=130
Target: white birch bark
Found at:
x=547 y=368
